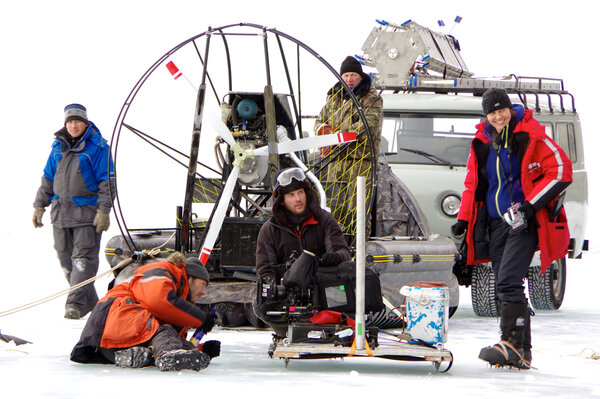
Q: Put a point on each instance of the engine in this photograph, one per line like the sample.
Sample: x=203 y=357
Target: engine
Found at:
x=244 y=115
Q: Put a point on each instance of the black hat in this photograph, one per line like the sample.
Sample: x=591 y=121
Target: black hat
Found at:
x=75 y=111
x=194 y=268
x=351 y=64
x=494 y=99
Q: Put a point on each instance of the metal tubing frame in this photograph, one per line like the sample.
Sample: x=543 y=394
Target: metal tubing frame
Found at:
x=218 y=31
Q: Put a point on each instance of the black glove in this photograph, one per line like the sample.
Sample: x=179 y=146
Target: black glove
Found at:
x=459 y=227
x=331 y=259
x=209 y=322
x=212 y=348
x=527 y=209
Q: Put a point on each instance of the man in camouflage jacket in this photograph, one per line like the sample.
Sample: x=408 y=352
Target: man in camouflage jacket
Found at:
x=340 y=114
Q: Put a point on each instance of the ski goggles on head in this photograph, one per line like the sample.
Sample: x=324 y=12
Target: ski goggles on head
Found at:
x=286 y=176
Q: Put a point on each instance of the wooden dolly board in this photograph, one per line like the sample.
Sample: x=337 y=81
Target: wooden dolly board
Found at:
x=397 y=351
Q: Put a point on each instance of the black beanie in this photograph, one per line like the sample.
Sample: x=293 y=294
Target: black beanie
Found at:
x=494 y=99
x=194 y=268
x=351 y=64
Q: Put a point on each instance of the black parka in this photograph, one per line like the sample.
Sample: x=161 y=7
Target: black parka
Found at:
x=319 y=234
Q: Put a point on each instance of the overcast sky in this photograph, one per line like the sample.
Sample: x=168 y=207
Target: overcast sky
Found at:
x=58 y=52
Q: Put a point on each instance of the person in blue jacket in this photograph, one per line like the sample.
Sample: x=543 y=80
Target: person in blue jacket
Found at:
x=77 y=182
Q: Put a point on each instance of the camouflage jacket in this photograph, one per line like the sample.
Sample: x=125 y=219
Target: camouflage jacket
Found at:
x=341 y=115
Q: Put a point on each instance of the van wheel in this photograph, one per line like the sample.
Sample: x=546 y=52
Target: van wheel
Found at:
x=547 y=291
x=483 y=291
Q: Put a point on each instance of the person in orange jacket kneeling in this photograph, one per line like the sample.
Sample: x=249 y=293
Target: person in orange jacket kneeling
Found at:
x=145 y=320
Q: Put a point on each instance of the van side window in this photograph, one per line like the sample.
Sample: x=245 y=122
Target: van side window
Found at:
x=566 y=139
x=428 y=139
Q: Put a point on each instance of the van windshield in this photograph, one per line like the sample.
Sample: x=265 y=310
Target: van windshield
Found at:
x=430 y=139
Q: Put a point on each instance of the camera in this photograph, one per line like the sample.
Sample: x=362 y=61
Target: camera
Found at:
x=293 y=302
x=515 y=218
x=295 y=294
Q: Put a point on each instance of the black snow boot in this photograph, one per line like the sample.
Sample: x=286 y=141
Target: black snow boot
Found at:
x=182 y=359
x=135 y=357
x=509 y=351
x=527 y=336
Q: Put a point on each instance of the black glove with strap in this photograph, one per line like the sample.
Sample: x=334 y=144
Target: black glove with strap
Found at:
x=527 y=209
x=459 y=227
x=212 y=348
x=209 y=322
x=331 y=259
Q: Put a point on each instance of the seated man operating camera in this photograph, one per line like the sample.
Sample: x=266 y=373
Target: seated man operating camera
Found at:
x=299 y=233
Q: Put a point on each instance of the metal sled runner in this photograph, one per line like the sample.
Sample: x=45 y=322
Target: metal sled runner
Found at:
x=441 y=358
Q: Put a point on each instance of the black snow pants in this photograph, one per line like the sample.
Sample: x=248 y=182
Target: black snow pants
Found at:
x=77 y=249
x=164 y=340
x=511 y=253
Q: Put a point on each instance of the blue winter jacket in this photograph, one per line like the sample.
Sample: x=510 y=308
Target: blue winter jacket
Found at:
x=503 y=171
x=76 y=180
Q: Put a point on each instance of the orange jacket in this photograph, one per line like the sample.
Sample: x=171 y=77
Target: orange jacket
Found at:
x=131 y=312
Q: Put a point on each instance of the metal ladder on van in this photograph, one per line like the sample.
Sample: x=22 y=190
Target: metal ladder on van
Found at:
x=412 y=58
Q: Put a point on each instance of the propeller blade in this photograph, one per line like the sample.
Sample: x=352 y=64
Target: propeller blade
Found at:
x=219 y=216
x=285 y=147
x=216 y=123
x=262 y=151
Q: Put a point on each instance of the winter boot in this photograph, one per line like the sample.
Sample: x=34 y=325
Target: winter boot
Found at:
x=72 y=314
x=135 y=357
x=182 y=359
x=527 y=336
x=509 y=351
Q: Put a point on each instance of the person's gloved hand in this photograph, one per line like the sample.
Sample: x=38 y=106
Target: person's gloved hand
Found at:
x=527 y=209
x=323 y=130
x=212 y=348
x=209 y=322
x=331 y=259
x=38 y=212
x=459 y=227
x=101 y=221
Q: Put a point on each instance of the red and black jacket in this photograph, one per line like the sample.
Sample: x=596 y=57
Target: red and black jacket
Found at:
x=545 y=172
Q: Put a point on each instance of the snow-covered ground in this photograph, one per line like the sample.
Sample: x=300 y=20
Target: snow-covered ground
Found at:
x=564 y=342
x=66 y=51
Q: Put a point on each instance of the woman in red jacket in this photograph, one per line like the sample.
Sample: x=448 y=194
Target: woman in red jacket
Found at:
x=512 y=165
x=147 y=317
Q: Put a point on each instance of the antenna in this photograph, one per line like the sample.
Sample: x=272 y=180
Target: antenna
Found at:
x=456 y=22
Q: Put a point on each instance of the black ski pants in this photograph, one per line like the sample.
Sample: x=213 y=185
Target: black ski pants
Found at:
x=511 y=253
x=164 y=340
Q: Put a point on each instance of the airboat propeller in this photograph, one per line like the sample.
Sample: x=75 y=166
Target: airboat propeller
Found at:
x=242 y=155
x=236 y=180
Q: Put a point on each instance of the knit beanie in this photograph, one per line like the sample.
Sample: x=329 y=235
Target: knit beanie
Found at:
x=194 y=268
x=351 y=64
x=75 y=111
x=494 y=99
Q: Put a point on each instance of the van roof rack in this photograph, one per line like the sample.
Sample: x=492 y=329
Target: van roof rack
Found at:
x=412 y=58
